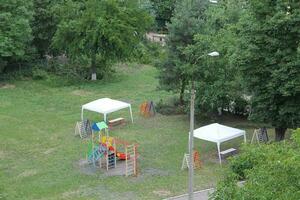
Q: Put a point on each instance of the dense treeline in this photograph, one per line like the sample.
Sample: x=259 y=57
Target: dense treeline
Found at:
x=259 y=62
x=91 y=34
x=256 y=74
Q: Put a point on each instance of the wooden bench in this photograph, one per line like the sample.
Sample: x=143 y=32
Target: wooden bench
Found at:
x=230 y=151
x=116 y=122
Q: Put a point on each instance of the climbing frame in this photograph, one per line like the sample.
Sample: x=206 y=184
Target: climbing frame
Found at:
x=131 y=164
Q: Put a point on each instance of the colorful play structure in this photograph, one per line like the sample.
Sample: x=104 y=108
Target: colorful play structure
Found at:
x=147 y=109
x=106 y=150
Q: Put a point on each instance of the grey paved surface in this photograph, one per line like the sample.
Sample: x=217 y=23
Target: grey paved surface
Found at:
x=199 y=195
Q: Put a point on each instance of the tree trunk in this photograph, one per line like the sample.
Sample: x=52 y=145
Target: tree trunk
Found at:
x=93 y=66
x=181 y=101
x=279 y=133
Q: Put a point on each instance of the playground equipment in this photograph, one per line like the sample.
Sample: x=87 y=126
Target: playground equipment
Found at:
x=83 y=128
x=147 y=109
x=103 y=149
x=130 y=156
x=186 y=161
x=260 y=135
x=116 y=122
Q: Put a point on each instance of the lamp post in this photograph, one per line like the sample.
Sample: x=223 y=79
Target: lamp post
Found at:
x=191 y=135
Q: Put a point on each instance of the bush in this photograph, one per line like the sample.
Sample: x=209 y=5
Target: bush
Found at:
x=251 y=156
x=147 y=52
x=171 y=107
x=39 y=74
x=271 y=172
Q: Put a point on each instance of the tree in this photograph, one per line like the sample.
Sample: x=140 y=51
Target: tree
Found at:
x=15 y=31
x=268 y=54
x=44 y=25
x=187 y=21
x=163 y=12
x=101 y=30
x=218 y=81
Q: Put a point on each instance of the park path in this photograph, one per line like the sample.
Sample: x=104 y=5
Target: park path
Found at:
x=199 y=195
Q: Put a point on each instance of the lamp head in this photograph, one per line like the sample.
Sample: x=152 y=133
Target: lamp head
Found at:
x=213 y=1
x=214 y=54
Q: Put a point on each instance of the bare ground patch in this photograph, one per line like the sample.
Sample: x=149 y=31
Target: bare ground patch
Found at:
x=162 y=193
x=81 y=93
x=49 y=151
x=155 y=172
x=27 y=173
x=86 y=191
x=2 y=154
x=6 y=86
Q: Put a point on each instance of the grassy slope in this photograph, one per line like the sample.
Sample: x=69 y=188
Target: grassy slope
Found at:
x=39 y=154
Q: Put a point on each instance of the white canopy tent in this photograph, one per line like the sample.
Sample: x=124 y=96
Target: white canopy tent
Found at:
x=218 y=133
x=106 y=106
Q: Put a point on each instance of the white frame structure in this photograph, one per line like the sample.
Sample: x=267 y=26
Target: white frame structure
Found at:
x=218 y=133
x=106 y=106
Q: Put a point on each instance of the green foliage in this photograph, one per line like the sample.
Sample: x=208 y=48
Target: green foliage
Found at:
x=187 y=21
x=171 y=106
x=246 y=161
x=271 y=172
x=268 y=55
x=147 y=52
x=102 y=30
x=163 y=12
x=217 y=79
x=296 y=136
x=39 y=73
x=43 y=25
x=15 y=30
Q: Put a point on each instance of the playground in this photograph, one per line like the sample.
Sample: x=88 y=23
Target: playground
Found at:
x=41 y=158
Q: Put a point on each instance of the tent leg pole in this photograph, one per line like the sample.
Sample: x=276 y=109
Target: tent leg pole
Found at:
x=81 y=114
x=220 y=159
x=245 y=139
x=131 y=114
x=105 y=118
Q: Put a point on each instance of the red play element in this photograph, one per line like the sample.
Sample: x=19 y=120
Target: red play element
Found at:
x=122 y=156
x=111 y=148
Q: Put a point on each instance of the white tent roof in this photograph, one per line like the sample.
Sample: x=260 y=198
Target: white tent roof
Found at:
x=217 y=133
x=105 y=106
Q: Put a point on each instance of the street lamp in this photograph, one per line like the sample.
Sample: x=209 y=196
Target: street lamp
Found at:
x=213 y=1
x=191 y=135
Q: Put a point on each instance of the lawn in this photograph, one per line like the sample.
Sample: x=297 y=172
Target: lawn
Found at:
x=39 y=153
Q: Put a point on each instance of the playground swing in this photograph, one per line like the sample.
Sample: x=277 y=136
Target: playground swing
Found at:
x=147 y=109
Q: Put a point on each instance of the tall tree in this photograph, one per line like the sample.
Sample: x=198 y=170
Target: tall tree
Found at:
x=15 y=30
x=163 y=12
x=269 y=56
x=44 y=25
x=188 y=20
x=102 y=30
x=218 y=81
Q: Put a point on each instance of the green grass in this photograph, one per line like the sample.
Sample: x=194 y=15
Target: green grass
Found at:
x=39 y=152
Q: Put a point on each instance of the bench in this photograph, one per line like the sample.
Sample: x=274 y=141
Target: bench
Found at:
x=116 y=122
x=230 y=151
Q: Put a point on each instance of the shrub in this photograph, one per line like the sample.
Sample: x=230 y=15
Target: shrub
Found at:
x=39 y=74
x=271 y=172
x=171 y=107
